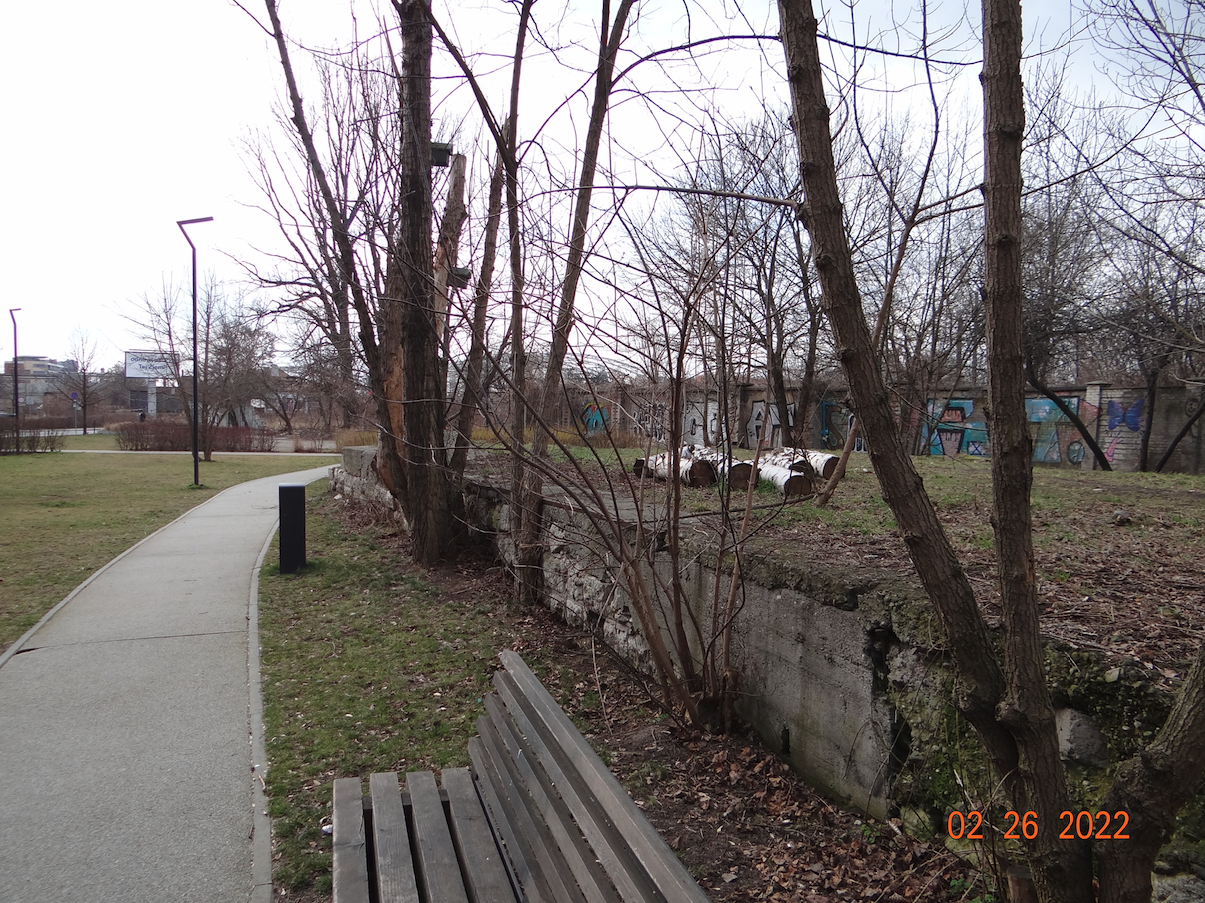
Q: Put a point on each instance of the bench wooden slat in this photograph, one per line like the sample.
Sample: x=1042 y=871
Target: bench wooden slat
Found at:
x=350 y=866
x=540 y=819
x=647 y=845
x=547 y=805
x=487 y=878
x=607 y=845
x=437 y=864
x=391 y=841
x=528 y=840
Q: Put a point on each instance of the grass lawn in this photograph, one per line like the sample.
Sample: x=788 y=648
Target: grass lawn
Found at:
x=365 y=666
x=91 y=442
x=63 y=516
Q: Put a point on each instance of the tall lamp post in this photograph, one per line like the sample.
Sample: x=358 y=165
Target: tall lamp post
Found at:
x=12 y=312
x=196 y=458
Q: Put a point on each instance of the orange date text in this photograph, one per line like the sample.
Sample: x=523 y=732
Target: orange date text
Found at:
x=1082 y=825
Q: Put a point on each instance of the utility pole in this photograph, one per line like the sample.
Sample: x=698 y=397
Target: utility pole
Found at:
x=12 y=312
x=196 y=459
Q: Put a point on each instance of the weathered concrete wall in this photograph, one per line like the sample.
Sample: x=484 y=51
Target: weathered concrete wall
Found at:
x=357 y=478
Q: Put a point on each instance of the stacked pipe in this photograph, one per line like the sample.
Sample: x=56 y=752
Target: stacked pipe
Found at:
x=698 y=472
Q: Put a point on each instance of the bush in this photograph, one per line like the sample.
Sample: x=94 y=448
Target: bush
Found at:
x=156 y=434
x=308 y=439
x=243 y=439
x=35 y=437
x=165 y=434
x=345 y=438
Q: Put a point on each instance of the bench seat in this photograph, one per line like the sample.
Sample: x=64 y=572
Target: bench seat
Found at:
x=538 y=818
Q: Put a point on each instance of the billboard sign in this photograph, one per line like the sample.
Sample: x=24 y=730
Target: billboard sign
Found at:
x=150 y=365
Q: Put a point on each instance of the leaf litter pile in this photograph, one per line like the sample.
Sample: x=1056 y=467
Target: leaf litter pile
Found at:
x=745 y=825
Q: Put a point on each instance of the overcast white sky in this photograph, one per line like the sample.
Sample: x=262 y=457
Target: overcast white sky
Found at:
x=121 y=119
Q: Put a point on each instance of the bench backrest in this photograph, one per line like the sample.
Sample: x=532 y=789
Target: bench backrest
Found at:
x=572 y=831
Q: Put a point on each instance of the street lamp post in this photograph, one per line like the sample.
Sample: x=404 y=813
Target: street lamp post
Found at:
x=196 y=459
x=12 y=312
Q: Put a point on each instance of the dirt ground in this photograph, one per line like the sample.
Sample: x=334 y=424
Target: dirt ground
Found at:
x=1121 y=567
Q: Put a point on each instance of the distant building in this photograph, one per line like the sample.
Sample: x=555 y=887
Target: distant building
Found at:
x=32 y=367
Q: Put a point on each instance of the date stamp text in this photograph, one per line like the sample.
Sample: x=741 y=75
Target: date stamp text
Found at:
x=1082 y=825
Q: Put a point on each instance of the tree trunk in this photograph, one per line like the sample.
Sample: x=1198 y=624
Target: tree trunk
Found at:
x=1148 y=421
x=431 y=498
x=471 y=400
x=83 y=400
x=449 y=241
x=524 y=519
x=1020 y=758
x=1151 y=789
x=1062 y=869
x=782 y=403
x=533 y=483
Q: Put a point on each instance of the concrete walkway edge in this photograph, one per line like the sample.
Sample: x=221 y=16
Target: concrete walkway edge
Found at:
x=261 y=823
x=261 y=889
x=96 y=575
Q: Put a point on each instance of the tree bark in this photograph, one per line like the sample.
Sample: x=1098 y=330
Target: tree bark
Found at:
x=446 y=249
x=431 y=498
x=471 y=400
x=1062 y=869
x=1151 y=789
x=1148 y=420
x=524 y=518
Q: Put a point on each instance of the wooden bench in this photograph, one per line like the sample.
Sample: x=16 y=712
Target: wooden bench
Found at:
x=538 y=818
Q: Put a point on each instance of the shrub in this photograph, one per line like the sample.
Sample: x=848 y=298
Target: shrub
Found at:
x=169 y=434
x=346 y=438
x=34 y=437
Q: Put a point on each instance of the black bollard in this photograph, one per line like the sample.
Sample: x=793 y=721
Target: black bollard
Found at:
x=292 y=527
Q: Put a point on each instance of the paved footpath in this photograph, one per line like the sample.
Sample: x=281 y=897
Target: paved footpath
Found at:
x=128 y=721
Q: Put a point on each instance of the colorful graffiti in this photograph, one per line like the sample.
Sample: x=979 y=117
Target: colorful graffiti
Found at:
x=953 y=432
x=1043 y=410
x=1118 y=416
x=835 y=423
x=594 y=419
x=1131 y=417
x=1055 y=437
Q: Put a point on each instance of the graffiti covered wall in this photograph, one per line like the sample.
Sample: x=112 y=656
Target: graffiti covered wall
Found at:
x=1115 y=417
x=955 y=427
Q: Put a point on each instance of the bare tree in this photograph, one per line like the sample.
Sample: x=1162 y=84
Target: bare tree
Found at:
x=1004 y=698
x=79 y=385
x=233 y=350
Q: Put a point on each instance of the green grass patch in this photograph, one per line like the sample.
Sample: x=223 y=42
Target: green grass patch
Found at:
x=63 y=516
x=367 y=666
x=91 y=442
